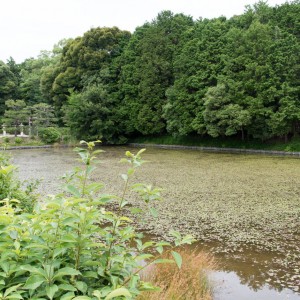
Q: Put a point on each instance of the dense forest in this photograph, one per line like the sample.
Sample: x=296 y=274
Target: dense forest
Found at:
x=175 y=75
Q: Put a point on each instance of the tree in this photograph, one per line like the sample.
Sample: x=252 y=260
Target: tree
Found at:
x=85 y=60
x=15 y=114
x=7 y=85
x=147 y=71
x=221 y=115
x=15 y=69
x=262 y=62
x=41 y=116
x=91 y=115
x=31 y=72
x=196 y=68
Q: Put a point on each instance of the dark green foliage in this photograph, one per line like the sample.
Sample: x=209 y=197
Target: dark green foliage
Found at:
x=221 y=115
x=30 y=74
x=86 y=60
x=49 y=135
x=8 y=84
x=197 y=67
x=287 y=16
x=261 y=74
x=148 y=71
x=92 y=114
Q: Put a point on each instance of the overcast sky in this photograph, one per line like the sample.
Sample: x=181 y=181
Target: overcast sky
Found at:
x=28 y=26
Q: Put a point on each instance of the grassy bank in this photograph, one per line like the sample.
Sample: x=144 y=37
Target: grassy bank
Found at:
x=188 y=282
x=11 y=141
x=228 y=142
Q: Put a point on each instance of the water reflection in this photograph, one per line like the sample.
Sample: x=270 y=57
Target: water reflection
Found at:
x=228 y=286
x=257 y=270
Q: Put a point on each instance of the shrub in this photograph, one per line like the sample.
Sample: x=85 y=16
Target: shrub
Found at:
x=11 y=186
x=49 y=135
x=65 y=134
x=6 y=140
x=72 y=247
x=18 y=140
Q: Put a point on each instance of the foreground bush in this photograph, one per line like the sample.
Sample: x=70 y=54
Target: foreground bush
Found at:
x=22 y=193
x=71 y=247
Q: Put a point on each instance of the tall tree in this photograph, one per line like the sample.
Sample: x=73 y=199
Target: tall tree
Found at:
x=15 y=114
x=223 y=117
x=259 y=60
x=197 y=67
x=148 y=71
x=91 y=114
x=8 y=84
x=87 y=60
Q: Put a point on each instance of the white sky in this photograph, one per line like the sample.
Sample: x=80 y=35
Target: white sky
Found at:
x=28 y=26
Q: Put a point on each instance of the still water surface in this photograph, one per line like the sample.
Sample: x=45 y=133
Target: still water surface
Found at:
x=244 y=208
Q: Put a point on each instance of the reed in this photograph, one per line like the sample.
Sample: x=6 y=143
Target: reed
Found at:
x=188 y=283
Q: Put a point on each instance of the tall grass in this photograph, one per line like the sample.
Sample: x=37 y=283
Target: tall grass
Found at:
x=188 y=283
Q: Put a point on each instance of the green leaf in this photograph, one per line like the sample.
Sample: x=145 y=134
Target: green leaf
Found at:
x=160 y=249
x=67 y=296
x=58 y=252
x=73 y=190
x=140 y=152
x=135 y=210
x=90 y=274
x=69 y=238
x=81 y=286
x=82 y=298
x=130 y=171
x=67 y=287
x=117 y=293
x=176 y=234
x=98 y=151
x=11 y=289
x=94 y=187
x=37 y=271
x=147 y=286
x=188 y=239
x=51 y=290
x=97 y=294
x=153 y=212
x=66 y=271
x=33 y=282
x=14 y=296
x=177 y=258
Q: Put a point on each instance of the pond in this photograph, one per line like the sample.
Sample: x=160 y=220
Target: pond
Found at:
x=243 y=208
